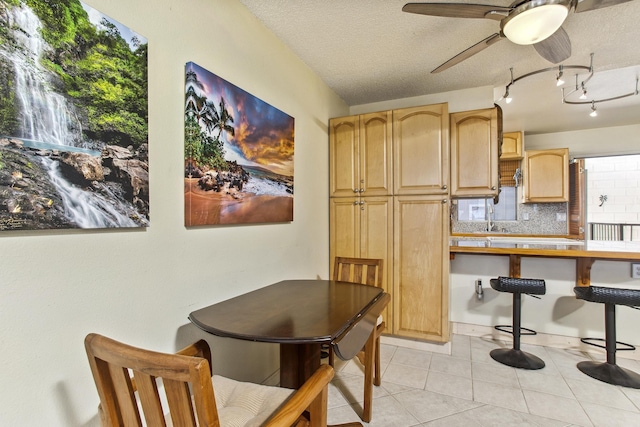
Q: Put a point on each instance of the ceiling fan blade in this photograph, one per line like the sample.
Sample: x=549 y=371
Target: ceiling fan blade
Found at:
x=556 y=48
x=587 y=5
x=465 y=54
x=458 y=10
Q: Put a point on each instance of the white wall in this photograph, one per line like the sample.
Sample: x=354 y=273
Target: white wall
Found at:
x=558 y=312
x=459 y=100
x=589 y=143
x=139 y=286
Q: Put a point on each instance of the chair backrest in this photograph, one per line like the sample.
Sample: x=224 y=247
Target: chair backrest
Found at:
x=127 y=379
x=366 y=271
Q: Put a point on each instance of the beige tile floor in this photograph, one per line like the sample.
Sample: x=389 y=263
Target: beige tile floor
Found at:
x=469 y=389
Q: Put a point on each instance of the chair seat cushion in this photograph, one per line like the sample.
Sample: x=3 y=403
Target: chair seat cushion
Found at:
x=518 y=285
x=246 y=404
x=242 y=404
x=604 y=295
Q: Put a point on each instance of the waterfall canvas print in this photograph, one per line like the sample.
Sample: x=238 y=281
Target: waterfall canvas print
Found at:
x=73 y=118
x=238 y=154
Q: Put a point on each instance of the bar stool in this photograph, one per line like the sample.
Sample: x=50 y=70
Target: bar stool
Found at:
x=514 y=356
x=609 y=371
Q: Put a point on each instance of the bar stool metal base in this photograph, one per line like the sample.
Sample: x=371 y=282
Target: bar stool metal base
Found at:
x=611 y=374
x=516 y=358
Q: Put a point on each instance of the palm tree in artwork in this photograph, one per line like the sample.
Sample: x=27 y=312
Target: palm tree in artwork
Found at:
x=221 y=119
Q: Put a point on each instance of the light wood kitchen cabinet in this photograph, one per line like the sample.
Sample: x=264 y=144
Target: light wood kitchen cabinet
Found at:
x=421 y=268
x=475 y=137
x=362 y=227
x=407 y=227
x=512 y=143
x=546 y=175
x=421 y=150
x=360 y=155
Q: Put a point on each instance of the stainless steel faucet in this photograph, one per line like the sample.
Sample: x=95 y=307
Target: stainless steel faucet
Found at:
x=490 y=223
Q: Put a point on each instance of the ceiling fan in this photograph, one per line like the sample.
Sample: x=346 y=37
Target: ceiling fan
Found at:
x=536 y=22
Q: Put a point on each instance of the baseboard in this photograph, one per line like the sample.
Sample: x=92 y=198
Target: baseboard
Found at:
x=547 y=340
x=434 y=347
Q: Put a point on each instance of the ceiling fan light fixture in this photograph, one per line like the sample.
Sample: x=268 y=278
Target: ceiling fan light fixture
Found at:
x=535 y=20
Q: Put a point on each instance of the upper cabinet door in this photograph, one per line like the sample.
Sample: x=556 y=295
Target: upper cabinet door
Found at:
x=360 y=155
x=344 y=156
x=421 y=150
x=375 y=154
x=511 y=146
x=546 y=175
x=474 y=153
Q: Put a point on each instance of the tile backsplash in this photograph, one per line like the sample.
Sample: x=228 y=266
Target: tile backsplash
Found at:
x=532 y=218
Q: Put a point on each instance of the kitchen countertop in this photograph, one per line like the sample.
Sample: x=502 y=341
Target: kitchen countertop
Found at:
x=558 y=247
x=584 y=252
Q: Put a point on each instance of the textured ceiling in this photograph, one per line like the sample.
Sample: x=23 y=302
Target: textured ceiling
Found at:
x=369 y=51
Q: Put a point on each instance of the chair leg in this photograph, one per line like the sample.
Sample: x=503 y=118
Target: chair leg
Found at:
x=377 y=380
x=332 y=357
x=368 y=377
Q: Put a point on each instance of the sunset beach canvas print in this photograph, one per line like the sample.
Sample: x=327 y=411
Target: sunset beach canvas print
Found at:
x=238 y=154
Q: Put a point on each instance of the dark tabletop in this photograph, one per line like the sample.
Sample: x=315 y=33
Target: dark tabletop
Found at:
x=291 y=311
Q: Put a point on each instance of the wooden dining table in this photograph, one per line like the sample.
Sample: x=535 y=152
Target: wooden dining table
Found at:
x=300 y=315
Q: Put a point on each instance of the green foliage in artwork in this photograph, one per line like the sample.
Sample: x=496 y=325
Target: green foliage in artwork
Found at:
x=8 y=104
x=98 y=69
x=201 y=148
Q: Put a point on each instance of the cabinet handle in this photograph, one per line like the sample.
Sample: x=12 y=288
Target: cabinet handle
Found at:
x=493 y=188
x=355 y=190
x=362 y=190
x=444 y=187
x=444 y=200
x=356 y=203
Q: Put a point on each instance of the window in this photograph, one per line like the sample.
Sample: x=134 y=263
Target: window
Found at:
x=478 y=209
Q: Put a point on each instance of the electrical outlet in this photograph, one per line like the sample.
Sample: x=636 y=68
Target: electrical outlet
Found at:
x=635 y=271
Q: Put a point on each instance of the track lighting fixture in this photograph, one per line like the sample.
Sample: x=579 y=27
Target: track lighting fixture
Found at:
x=559 y=81
x=579 y=88
x=507 y=97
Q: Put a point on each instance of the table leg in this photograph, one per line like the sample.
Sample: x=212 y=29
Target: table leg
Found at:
x=297 y=363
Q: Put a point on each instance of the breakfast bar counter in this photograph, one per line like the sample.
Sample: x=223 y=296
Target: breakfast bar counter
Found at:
x=584 y=252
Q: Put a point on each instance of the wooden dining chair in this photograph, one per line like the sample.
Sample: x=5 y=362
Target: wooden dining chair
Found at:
x=366 y=271
x=129 y=382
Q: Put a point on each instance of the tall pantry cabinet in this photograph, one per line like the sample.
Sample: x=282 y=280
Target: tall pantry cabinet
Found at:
x=361 y=206
x=421 y=223
x=403 y=220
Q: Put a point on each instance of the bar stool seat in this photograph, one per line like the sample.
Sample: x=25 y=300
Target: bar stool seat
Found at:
x=609 y=372
x=514 y=356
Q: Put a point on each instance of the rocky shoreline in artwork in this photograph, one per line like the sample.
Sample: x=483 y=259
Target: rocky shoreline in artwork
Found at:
x=233 y=180
x=30 y=199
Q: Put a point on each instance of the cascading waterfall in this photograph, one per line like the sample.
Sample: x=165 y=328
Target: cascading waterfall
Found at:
x=46 y=116
x=85 y=208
